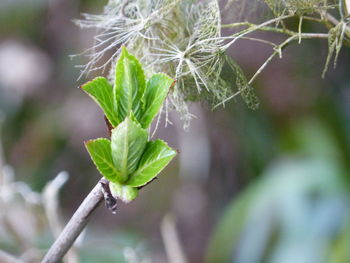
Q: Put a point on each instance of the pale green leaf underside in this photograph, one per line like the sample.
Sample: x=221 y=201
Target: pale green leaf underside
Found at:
x=123 y=192
x=129 y=85
x=128 y=143
x=155 y=93
x=102 y=93
x=100 y=153
x=156 y=156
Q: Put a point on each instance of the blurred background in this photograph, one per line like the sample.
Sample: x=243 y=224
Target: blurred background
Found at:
x=270 y=185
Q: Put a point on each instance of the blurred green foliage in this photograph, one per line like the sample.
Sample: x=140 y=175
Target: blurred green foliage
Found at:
x=297 y=211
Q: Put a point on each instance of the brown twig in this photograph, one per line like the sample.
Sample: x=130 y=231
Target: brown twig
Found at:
x=75 y=226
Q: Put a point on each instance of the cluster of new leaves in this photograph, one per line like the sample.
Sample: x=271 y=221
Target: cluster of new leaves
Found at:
x=129 y=160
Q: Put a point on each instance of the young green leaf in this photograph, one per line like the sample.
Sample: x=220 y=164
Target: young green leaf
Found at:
x=102 y=92
x=128 y=143
x=129 y=85
x=123 y=192
x=100 y=153
x=155 y=93
x=156 y=156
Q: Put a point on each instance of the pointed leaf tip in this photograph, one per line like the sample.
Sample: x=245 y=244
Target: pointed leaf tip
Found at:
x=124 y=51
x=129 y=85
x=156 y=91
x=101 y=92
x=156 y=157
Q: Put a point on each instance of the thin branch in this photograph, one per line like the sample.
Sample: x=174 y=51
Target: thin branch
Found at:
x=264 y=28
x=274 y=29
x=315 y=19
x=51 y=204
x=335 y=22
x=279 y=48
x=255 y=28
x=75 y=226
x=252 y=27
x=260 y=41
x=277 y=51
x=332 y=19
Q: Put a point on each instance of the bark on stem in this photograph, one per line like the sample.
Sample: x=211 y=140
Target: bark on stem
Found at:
x=75 y=226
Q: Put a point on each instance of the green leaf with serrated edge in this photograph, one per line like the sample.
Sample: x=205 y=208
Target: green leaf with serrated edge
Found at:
x=128 y=144
x=156 y=156
x=123 y=192
x=155 y=93
x=102 y=93
x=129 y=85
x=100 y=153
